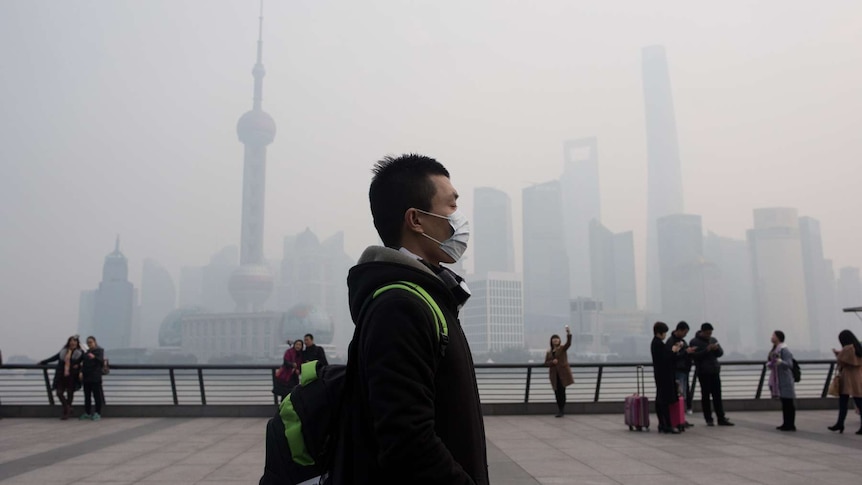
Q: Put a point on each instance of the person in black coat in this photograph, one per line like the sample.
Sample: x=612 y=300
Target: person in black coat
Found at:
x=708 y=370
x=682 y=361
x=93 y=365
x=313 y=352
x=66 y=380
x=663 y=360
x=412 y=411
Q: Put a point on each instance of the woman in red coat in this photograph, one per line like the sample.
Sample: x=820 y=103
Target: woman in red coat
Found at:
x=560 y=373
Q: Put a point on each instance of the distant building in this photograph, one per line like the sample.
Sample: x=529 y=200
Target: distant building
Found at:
x=546 y=267
x=245 y=336
x=314 y=275
x=158 y=299
x=730 y=292
x=215 y=294
x=819 y=285
x=588 y=335
x=493 y=317
x=113 y=310
x=191 y=287
x=581 y=204
x=779 y=277
x=664 y=178
x=492 y=239
x=849 y=295
x=87 y=312
x=612 y=261
x=682 y=266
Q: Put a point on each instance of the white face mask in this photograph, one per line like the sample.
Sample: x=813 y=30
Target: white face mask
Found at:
x=457 y=242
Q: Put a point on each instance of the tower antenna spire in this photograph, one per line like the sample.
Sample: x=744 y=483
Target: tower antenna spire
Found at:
x=258 y=72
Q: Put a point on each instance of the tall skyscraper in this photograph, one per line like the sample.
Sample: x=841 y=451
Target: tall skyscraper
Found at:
x=114 y=303
x=86 y=312
x=581 y=204
x=492 y=232
x=730 y=291
x=252 y=283
x=779 y=278
x=493 y=318
x=664 y=178
x=819 y=286
x=612 y=268
x=158 y=298
x=681 y=266
x=546 y=265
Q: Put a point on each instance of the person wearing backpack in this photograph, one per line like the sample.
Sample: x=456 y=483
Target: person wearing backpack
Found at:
x=92 y=366
x=411 y=403
x=781 y=380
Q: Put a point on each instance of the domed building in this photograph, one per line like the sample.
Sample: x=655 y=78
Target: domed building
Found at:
x=171 y=329
x=303 y=319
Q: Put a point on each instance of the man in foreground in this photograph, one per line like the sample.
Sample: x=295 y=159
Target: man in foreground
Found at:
x=411 y=404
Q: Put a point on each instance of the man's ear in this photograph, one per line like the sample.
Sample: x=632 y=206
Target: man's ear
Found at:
x=412 y=221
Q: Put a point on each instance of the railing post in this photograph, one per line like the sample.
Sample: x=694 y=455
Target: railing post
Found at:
x=174 y=387
x=760 y=384
x=828 y=380
x=201 y=383
x=599 y=383
x=274 y=395
x=527 y=389
x=48 y=386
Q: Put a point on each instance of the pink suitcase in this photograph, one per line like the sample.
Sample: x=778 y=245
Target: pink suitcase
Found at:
x=637 y=406
x=677 y=414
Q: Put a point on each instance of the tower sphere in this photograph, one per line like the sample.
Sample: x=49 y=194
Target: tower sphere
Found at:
x=256 y=127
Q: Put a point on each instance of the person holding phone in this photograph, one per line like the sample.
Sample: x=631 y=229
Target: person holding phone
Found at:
x=559 y=371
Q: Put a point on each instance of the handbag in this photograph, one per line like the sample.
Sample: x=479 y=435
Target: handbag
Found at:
x=835 y=386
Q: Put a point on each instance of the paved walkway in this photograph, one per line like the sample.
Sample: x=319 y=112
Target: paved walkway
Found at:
x=594 y=449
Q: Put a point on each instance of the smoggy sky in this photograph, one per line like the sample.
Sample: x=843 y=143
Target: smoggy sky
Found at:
x=119 y=117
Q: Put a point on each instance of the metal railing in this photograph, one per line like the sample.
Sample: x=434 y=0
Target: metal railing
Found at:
x=498 y=383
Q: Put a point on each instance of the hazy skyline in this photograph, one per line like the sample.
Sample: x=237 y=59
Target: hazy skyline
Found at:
x=120 y=117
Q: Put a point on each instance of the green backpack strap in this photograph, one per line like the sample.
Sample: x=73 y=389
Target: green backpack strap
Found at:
x=442 y=327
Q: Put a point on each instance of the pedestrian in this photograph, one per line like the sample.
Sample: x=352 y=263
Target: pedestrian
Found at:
x=559 y=370
x=850 y=376
x=781 y=383
x=663 y=365
x=66 y=375
x=708 y=369
x=292 y=364
x=682 y=362
x=412 y=412
x=313 y=352
x=93 y=365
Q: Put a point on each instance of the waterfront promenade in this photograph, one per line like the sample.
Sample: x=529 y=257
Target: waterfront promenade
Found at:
x=579 y=449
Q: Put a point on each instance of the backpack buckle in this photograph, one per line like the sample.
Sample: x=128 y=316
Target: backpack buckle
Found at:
x=444 y=342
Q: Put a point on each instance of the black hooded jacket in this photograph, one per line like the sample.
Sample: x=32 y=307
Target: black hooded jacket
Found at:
x=411 y=415
x=706 y=361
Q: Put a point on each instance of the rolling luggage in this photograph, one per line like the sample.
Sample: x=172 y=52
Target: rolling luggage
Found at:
x=677 y=414
x=637 y=405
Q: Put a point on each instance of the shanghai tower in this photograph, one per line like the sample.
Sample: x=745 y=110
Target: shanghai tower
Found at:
x=252 y=283
x=664 y=189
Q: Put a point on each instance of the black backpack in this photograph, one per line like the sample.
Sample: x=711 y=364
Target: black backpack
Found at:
x=797 y=372
x=300 y=439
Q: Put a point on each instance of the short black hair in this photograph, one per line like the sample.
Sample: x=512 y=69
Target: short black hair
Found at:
x=308 y=335
x=706 y=327
x=780 y=335
x=682 y=326
x=401 y=183
x=659 y=328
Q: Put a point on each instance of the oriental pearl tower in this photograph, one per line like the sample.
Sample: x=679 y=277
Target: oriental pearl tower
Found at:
x=252 y=283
